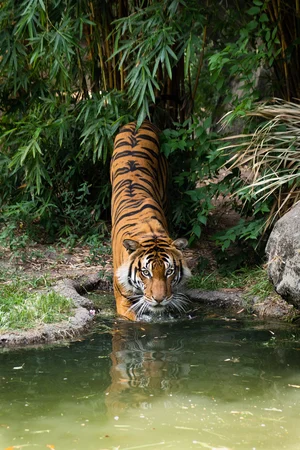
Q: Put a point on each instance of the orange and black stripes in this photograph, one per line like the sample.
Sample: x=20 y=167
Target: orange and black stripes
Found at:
x=138 y=176
x=147 y=264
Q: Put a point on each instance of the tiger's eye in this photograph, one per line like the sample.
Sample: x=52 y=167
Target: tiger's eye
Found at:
x=146 y=273
x=169 y=272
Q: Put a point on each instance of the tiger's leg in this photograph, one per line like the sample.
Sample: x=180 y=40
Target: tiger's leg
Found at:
x=122 y=303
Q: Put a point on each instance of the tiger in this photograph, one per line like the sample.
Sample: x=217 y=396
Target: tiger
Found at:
x=148 y=265
x=144 y=360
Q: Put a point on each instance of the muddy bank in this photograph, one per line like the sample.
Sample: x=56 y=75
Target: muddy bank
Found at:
x=224 y=301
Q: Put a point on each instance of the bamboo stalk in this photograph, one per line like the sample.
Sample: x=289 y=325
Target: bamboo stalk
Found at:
x=122 y=74
x=120 y=9
x=83 y=86
x=200 y=64
x=107 y=51
x=169 y=92
x=90 y=32
x=122 y=12
x=100 y=54
x=115 y=68
x=180 y=81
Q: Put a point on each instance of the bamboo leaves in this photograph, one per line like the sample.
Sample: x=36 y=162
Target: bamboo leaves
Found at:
x=98 y=116
x=71 y=75
x=73 y=72
x=147 y=43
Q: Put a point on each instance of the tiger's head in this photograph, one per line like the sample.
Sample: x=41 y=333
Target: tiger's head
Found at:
x=151 y=276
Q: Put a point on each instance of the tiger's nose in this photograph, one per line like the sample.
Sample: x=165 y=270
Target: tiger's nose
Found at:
x=158 y=300
x=159 y=291
x=159 y=297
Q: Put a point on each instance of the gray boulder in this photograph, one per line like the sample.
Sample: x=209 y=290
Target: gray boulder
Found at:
x=283 y=252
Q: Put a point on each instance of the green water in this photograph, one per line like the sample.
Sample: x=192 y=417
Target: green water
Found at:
x=203 y=383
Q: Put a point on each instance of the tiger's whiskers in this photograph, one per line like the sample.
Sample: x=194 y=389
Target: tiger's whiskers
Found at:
x=178 y=302
x=139 y=305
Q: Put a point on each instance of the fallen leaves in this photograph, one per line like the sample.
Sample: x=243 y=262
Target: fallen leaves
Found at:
x=233 y=360
x=19 y=367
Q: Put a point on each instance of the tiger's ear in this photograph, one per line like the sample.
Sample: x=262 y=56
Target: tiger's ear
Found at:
x=131 y=245
x=180 y=243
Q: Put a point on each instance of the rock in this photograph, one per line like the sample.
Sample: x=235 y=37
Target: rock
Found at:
x=283 y=252
x=274 y=308
x=231 y=300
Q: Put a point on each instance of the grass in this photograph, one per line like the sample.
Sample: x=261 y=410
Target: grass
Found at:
x=23 y=308
x=254 y=281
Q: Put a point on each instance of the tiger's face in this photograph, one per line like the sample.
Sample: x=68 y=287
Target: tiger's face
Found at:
x=151 y=277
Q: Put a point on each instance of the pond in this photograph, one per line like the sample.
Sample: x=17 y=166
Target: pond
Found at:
x=204 y=382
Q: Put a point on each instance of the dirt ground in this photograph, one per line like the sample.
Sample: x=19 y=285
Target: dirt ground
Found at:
x=56 y=262
x=53 y=263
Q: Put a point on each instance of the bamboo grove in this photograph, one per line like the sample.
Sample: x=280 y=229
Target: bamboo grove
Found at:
x=72 y=72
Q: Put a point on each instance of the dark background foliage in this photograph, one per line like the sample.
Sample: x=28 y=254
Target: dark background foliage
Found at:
x=73 y=72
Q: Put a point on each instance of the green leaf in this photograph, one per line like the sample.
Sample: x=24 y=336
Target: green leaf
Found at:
x=264 y=18
x=214 y=76
x=220 y=83
x=253 y=11
x=142 y=94
x=187 y=57
x=141 y=117
x=207 y=122
x=196 y=230
x=150 y=88
x=252 y=25
x=171 y=53
x=274 y=32
x=168 y=66
x=202 y=219
x=42 y=4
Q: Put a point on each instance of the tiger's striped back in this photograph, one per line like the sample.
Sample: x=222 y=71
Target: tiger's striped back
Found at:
x=139 y=226
x=138 y=176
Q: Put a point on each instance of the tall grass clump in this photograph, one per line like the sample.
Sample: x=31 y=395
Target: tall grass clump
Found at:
x=271 y=156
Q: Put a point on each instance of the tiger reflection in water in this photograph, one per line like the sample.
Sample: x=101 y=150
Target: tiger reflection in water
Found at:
x=146 y=363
